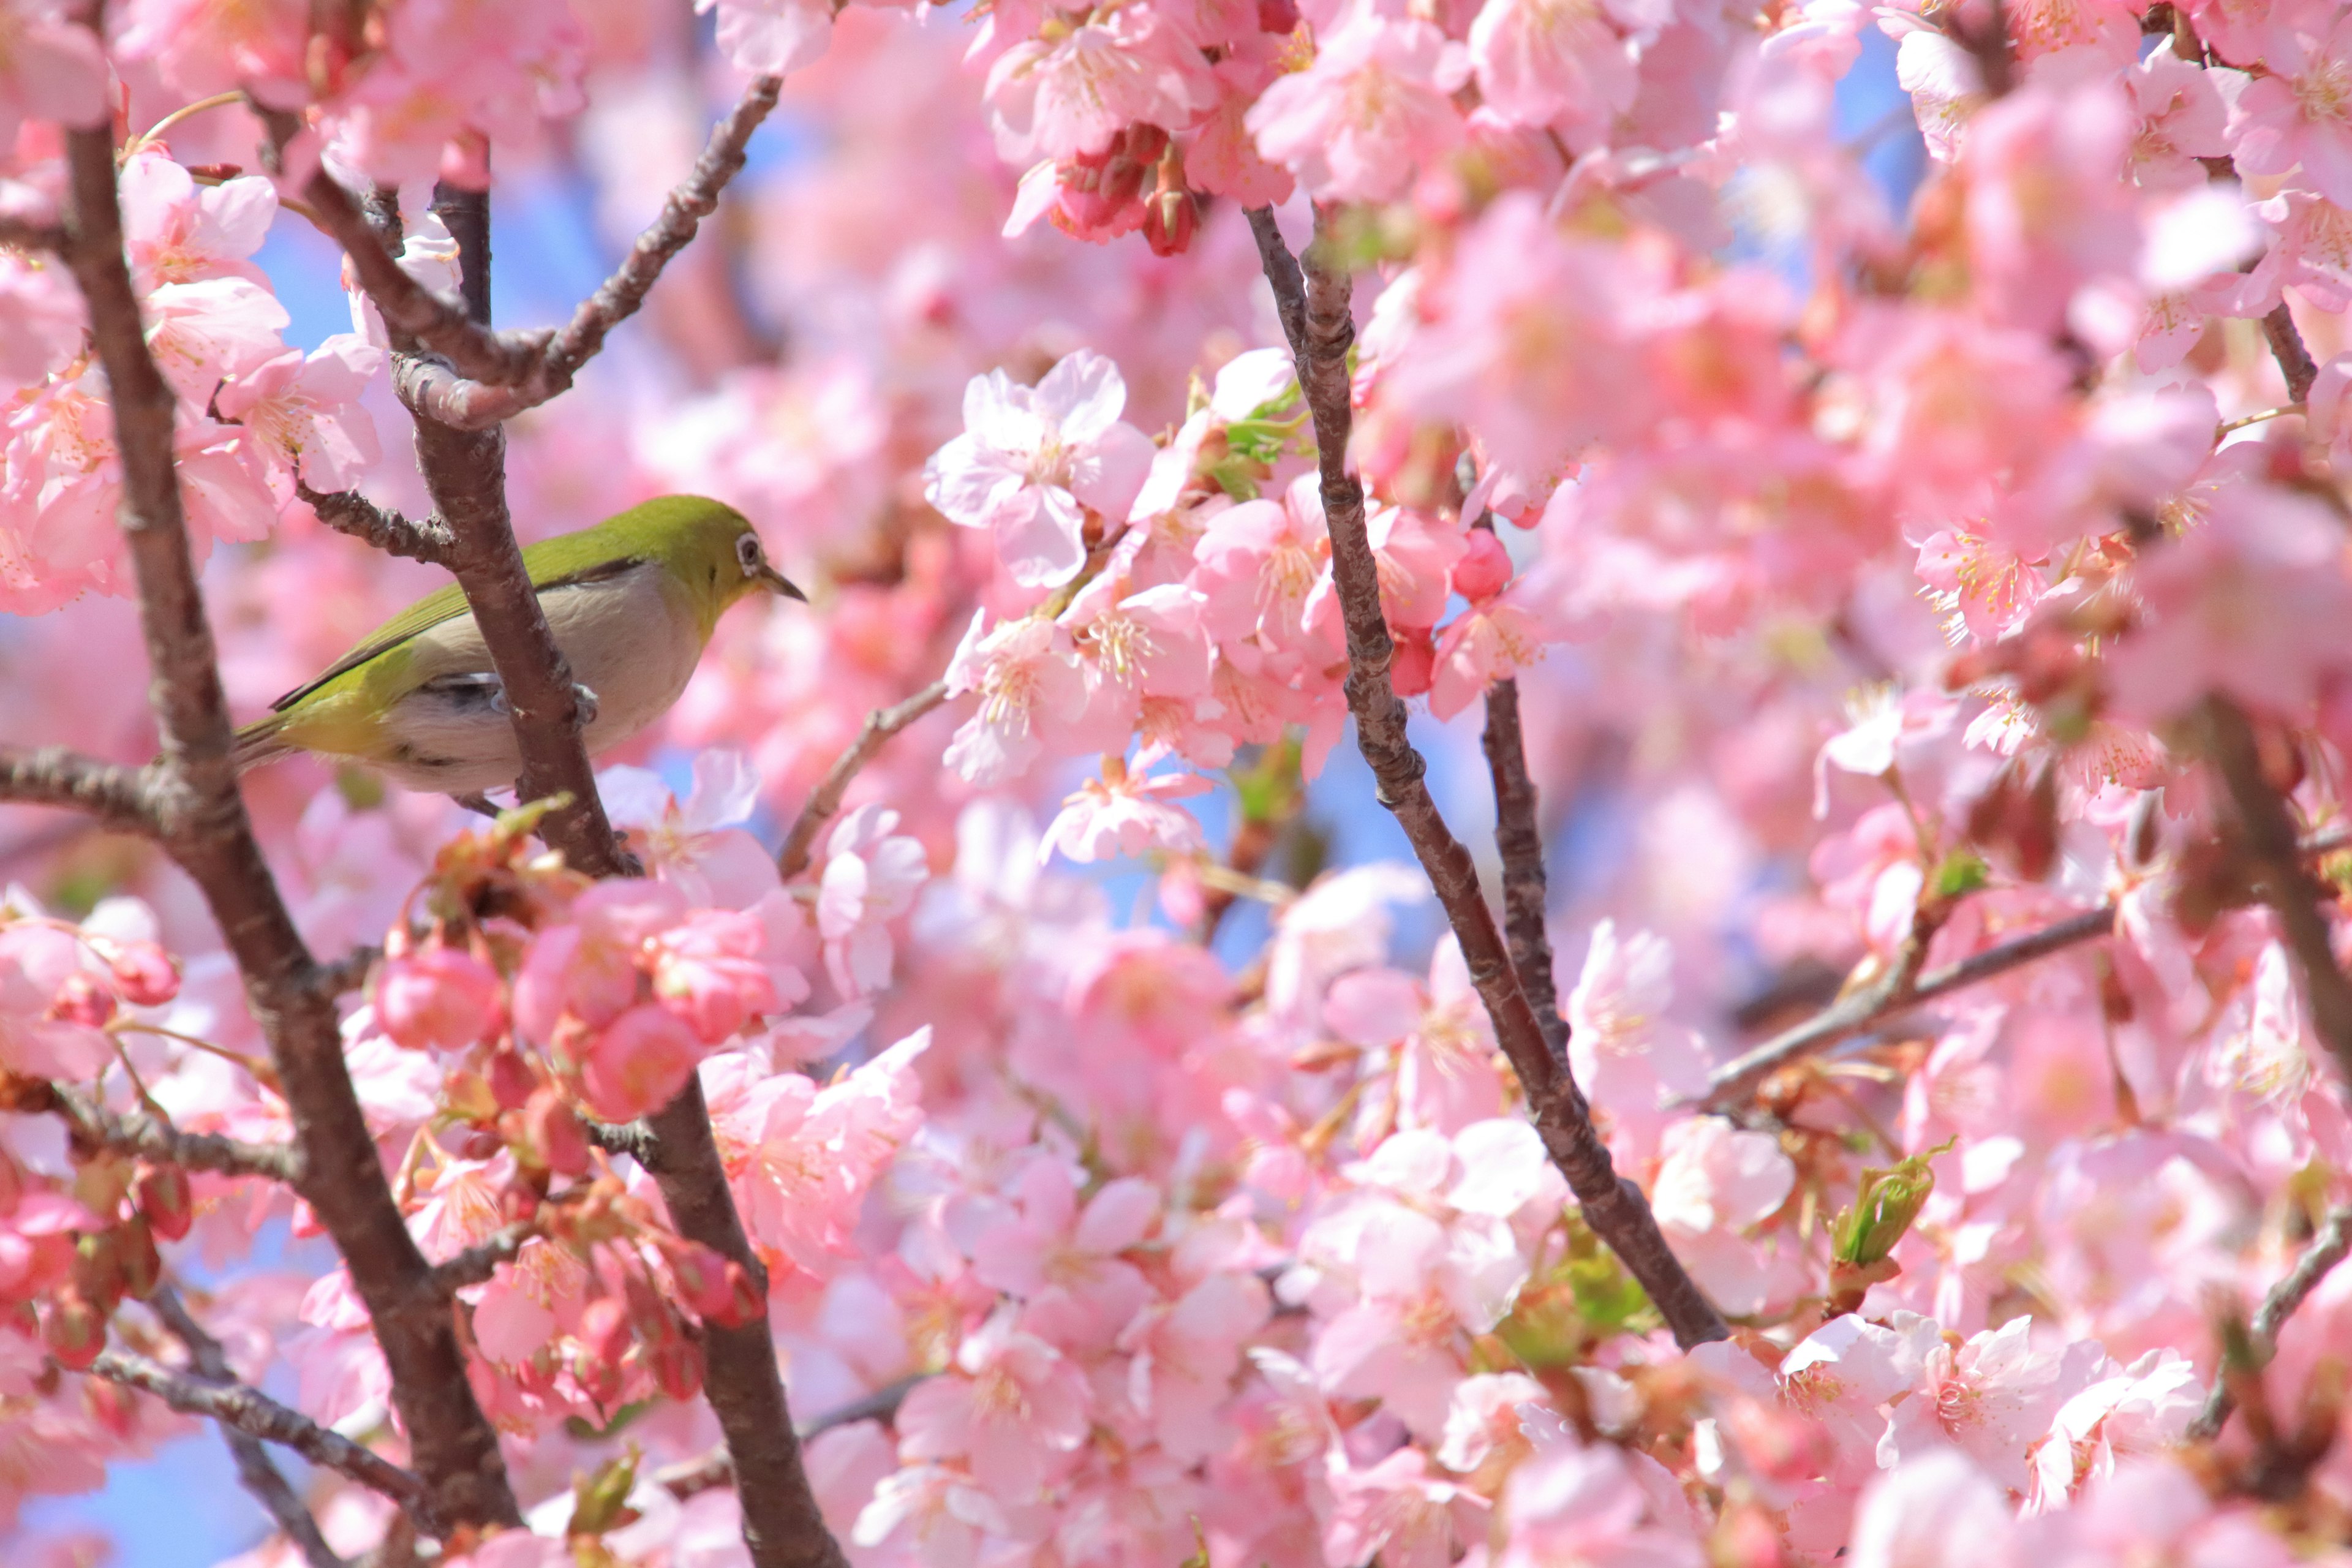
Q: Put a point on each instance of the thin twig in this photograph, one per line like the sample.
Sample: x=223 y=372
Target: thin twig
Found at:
x=250 y=1411
x=1615 y=1207
x=137 y=1133
x=122 y=797
x=492 y=376
x=633 y=1138
x=22 y=234
x=825 y=799
x=2326 y=1250
x=254 y=1468
x=2266 y=835
x=479 y=1261
x=714 y=1469
x=348 y=511
x=1900 y=988
x=206 y=830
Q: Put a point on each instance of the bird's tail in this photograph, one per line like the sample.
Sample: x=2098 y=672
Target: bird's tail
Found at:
x=259 y=743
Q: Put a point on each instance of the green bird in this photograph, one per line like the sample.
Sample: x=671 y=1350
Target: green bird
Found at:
x=632 y=602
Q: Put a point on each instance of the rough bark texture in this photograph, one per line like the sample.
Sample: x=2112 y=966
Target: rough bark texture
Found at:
x=90 y=1123
x=2295 y=360
x=781 y=1523
x=1520 y=841
x=1314 y=307
x=203 y=825
x=117 y=795
x=250 y=1411
x=349 y=512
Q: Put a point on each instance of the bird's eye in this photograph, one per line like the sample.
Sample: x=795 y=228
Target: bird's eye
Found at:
x=747 y=552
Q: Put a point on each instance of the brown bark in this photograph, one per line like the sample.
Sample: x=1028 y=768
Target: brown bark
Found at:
x=1315 y=308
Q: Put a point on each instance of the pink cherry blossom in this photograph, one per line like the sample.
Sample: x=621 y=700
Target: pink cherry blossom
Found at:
x=1372 y=108
x=869 y=879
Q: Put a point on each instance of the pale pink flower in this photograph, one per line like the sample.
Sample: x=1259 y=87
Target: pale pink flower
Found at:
x=304 y=410
x=1135 y=646
x=2046 y=212
x=1069 y=95
x=697 y=844
x=50 y=69
x=2243 y=606
x=1938 y=1511
x=1993 y=1397
x=1712 y=1183
x=1034 y=461
x=1485 y=1418
x=771 y=37
x=1631 y=1059
x=180 y=232
x=1185 y=1356
x=1540 y=62
x=1589 y=1505
x=427 y=254
x=1881 y=721
x=1012 y=1406
x=1127 y=811
x=1398 y=1512
x=869 y=880
x=1026 y=672
x=1054 y=1246
x=587 y=966
x=940 y=1513
x=2140 y=1409
x=203 y=46
x=37 y=960
x=1490 y=642
x=714 y=971
x=1372 y=109
x=637 y=1063
x=1525 y=340
x=2181 y=120
x=2299 y=112
x=1446 y=1074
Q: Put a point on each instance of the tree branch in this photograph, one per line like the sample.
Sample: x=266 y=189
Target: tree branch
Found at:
x=21 y=234
x=782 y=1525
x=2295 y=360
x=250 y=1411
x=120 y=797
x=633 y=1138
x=2274 y=854
x=824 y=801
x=136 y=1132
x=2326 y=1250
x=1615 y=1208
x=254 y=1468
x=1519 y=842
x=493 y=376
x=479 y=1261
x=348 y=511
x=207 y=831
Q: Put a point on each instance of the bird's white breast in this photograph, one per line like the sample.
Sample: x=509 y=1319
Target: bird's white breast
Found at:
x=628 y=638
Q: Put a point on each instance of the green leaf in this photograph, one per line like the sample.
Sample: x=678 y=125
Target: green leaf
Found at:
x=1883 y=1210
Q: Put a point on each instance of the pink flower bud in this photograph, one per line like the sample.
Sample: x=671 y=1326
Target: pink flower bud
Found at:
x=604 y=1334
x=1485 y=569
x=144 y=974
x=141 y=1265
x=554 y=1132
x=442 y=998
x=73 y=1329
x=510 y=1080
x=81 y=999
x=637 y=1063
x=164 y=1194
x=677 y=1368
x=701 y=1276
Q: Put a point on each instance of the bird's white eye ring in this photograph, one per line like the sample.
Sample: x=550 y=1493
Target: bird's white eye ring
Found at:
x=747 y=551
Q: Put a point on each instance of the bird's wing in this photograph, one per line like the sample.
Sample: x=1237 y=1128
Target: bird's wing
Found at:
x=548 y=570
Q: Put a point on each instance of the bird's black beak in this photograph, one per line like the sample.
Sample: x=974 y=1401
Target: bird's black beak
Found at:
x=779 y=582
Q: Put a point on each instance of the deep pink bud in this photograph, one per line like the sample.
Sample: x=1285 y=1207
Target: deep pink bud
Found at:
x=73 y=1329
x=144 y=974
x=510 y=1080
x=164 y=1194
x=81 y=999
x=677 y=1368
x=604 y=1333
x=555 y=1134
x=442 y=998
x=701 y=1276
x=1485 y=569
x=1170 y=218
x=637 y=1063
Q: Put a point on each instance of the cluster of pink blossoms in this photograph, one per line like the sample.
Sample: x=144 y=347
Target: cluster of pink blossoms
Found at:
x=1867 y=572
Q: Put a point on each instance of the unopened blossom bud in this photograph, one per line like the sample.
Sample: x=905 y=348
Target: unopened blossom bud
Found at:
x=165 y=1197
x=604 y=1333
x=144 y=974
x=677 y=1368
x=510 y=1080
x=747 y=1301
x=1170 y=218
x=1485 y=569
x=81 y=999
x=441 y=998
x=637 y=1063
x=517 y=1205
x=1413 y=668
x=1889 y=1200
x=98 y=1269
x=701 y=1276
x=73 y=1329
x=1276 y=16
x=141 y=1265
x=551 y=1129
x=598 y=1500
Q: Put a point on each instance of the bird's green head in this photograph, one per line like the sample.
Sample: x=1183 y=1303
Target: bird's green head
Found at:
x=708 y=547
